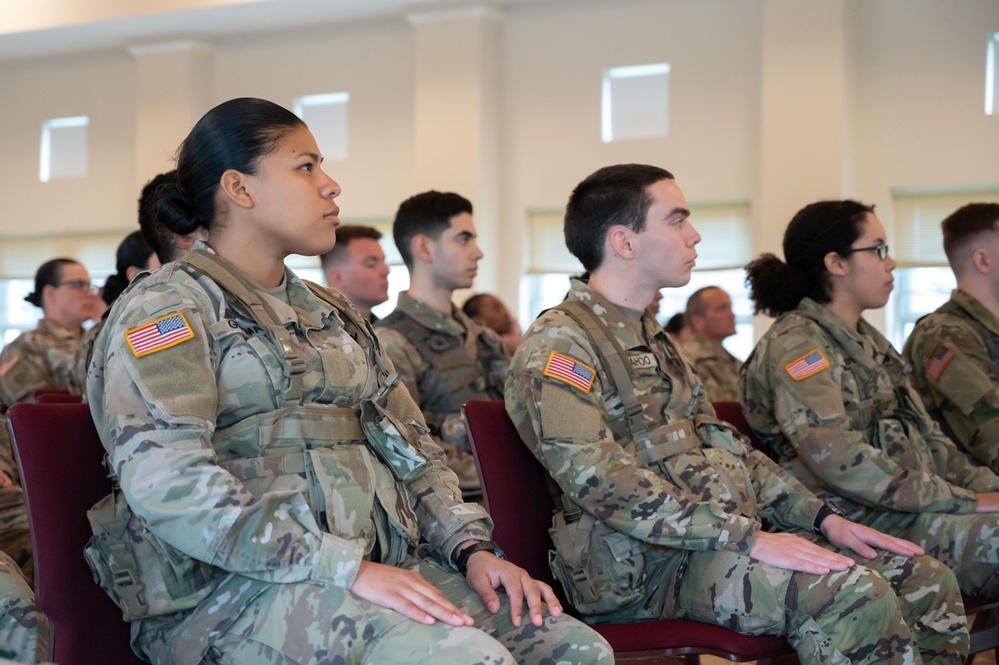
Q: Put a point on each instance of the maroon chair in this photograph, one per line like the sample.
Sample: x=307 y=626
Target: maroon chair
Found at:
x=60 y=457
x=48 y=391
x=984 y=628
x=58 y=398
x=515 y=492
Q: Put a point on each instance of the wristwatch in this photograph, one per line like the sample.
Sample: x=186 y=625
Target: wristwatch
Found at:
x=461 y=559
x=825 y=511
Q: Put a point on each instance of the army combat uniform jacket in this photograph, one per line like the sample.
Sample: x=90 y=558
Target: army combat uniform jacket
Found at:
x=660 y=525
x=718 y=368
x=838 y=408
x=41 y=358
x=259 y=500
x=955 y=355
x=444 y=361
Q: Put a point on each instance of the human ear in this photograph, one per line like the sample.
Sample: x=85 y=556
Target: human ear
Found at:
x=422 y=247
x=981 y=260
x=835 y=263
x=235 y=186
x=620 y=240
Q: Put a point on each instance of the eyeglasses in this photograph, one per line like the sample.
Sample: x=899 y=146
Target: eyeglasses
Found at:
x=78 y=284
x=882 y=250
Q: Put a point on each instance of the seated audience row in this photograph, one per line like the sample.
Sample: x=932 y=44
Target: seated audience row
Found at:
x=262 y=442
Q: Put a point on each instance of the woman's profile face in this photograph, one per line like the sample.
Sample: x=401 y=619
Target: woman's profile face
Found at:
x=292 y=198
x=869 y=279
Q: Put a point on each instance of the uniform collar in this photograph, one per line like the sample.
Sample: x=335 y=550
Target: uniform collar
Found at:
x=864 y=343
x=612 y=313
x=428 y=317
x=976 y=310
x=53 y=329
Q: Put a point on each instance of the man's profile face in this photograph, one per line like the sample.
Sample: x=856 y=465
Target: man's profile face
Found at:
x=455 y=254
x=665 y=247
x=718 y=318
x=363 y=274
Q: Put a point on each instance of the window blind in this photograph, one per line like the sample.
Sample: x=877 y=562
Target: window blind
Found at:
x=918 y=236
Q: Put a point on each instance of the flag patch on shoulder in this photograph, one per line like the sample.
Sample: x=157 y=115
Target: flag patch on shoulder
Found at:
x=569 y=370
x=942 y=357
x=812 y=362
x=160 y=334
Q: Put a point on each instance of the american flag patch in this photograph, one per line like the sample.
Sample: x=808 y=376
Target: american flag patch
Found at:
x=808 y=364
x=571 y=371
x=162 y=333
x=942 y=357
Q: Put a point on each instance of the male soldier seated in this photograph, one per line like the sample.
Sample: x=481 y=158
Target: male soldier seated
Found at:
x=955 y=350
x=443 y=357
x=663 y=503
x=711 y=320
x=356 y=268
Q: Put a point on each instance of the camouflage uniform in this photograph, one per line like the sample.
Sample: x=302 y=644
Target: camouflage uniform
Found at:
x=25 y=633
x=837 y=408
x=955 y=354
x=718 y=369
x=258 y=489
x=15 y=537
x=41 y=358
x=661 y=525
x=445 y=361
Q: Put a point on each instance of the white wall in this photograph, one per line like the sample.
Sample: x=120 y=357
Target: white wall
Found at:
x=780 y=101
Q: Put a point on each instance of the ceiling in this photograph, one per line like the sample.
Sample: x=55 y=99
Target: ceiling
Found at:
x=39 y=28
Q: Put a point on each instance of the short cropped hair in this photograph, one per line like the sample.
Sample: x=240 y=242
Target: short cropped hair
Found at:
x=612 y=196
x=695 y=303
x=345 y=234
x=428 y=214
x=965 y=225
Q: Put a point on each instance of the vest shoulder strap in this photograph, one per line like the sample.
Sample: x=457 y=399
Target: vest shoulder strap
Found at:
x=613 y=359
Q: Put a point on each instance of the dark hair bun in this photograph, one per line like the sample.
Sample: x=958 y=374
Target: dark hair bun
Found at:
x=174 y=209
x=774 y=286
x=34 y=299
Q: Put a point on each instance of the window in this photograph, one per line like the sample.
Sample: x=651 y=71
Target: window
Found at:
x=635 y=102
x=923 y=280
x=726 y=246
x=991 y=54
x=63 y=149
x=326 y=116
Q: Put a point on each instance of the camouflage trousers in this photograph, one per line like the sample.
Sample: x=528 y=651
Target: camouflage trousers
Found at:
x=889 y=609
x=969 y=544
x=295 y=624
x=25 y=633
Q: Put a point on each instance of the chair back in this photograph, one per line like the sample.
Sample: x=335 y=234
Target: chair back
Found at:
x=59 y=398
x=731 y=412
x=514 y=488
x=60 y=456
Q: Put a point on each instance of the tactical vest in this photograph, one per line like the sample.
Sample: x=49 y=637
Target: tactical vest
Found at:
x=886 y=408
x=599 y=567
x=459 y=371
x=300 y=447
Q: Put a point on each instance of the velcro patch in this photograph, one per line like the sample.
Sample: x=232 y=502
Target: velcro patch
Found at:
x=811 y=363
x=164 y=332
x=9 y=363
x=941 y=359
x=570 y=370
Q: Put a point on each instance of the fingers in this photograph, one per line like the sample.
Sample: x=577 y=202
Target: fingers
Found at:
x=488 y=573
x=408 y=593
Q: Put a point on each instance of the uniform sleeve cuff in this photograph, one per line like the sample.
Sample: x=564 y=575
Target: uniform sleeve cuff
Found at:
x=338 y=560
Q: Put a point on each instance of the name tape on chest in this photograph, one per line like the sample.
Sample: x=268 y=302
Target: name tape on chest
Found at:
x=570 y=371
x=164 y=332
x=811 y=363
x=640 y=361
x=942 y=358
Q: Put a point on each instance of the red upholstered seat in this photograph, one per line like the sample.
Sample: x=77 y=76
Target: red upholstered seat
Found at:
x=60 y=455
x=58 y=398
x=515 y=491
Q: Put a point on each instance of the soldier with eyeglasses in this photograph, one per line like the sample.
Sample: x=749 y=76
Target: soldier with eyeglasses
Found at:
x=45 y=357
x=836 y=403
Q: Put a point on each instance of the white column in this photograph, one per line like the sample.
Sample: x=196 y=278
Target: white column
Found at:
x=174 y=88
x=458 y=57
